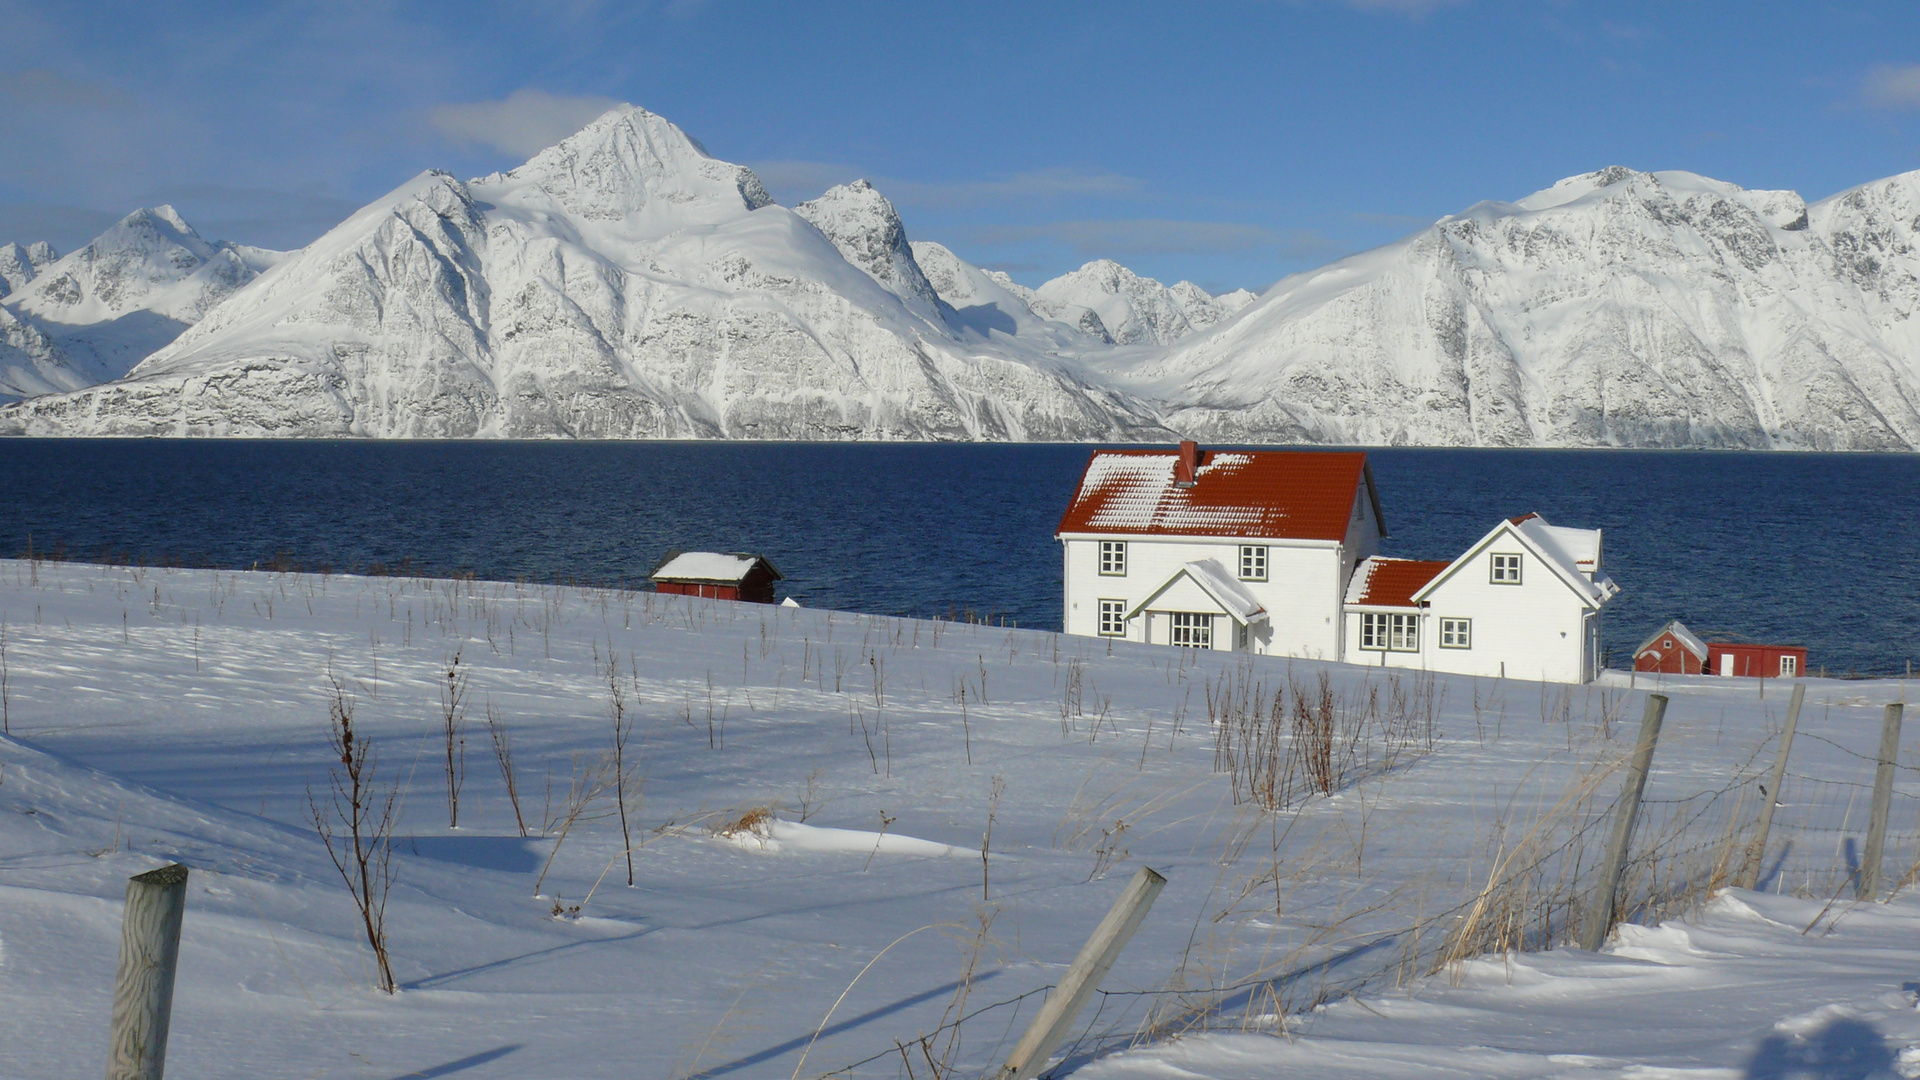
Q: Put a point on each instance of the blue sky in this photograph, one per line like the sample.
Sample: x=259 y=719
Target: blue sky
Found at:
x=1228 y=143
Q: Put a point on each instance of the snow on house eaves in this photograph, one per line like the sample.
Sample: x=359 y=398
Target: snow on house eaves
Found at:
x=1271 y=494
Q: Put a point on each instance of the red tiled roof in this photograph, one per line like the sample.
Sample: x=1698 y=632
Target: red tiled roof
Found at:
x=1392 y=582
x=1275 y=494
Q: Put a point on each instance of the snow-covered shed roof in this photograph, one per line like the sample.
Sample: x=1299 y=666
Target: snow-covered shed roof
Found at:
x=1270 y=494
x=1214 y=580
x=728 y=568
x=1572 y=555
x=1678 y=631
x=1382 y=582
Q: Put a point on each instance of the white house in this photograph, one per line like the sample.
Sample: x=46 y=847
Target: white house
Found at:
x=1218 y=549
x=1524 y=603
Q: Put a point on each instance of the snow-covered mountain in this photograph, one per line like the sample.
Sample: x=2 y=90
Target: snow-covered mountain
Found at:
x=19 y=265
x=866 y=230
x=621 y=284
x=1133 y=310
x=986 y=303
x=1617 y=308
x=626 y=284
x=92 y=315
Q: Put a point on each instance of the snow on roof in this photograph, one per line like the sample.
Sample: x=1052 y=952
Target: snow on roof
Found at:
x=1679 y=632
x=1275 y=494
x=1572 y=554
x=1382 y=582
x=714 y=566
x=1214 y=580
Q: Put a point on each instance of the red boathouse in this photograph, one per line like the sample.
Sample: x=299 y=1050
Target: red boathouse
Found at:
x=734 y=575
x=1756 y=661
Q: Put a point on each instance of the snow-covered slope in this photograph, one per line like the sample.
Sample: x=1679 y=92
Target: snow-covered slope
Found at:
x=123 y=296
x=621 y=284
x=988 y=302
x=1615 y=308
x=1134 y=310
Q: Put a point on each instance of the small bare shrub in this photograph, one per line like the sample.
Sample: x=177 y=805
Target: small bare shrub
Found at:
x=356 y=823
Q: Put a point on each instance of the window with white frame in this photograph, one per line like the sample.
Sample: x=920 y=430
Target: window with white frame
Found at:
x=1193 y=629
x=1456 y=633
x=1789 y=666
x=1389 y=632
x=1506 y=570
x=1253 y=562
x=1113 y=558
x=1113 y=618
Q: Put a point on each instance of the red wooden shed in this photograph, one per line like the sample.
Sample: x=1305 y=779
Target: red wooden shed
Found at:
x=1672 y=650
x=733 y=575
x=1756 y=661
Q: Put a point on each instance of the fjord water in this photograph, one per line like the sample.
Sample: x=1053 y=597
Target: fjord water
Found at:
x=1814 y=549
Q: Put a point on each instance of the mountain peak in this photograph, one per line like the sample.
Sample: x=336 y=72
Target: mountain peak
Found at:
x=868 y=232
x=630 y=162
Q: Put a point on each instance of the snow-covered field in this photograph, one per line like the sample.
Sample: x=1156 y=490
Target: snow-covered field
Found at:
x=160 y=715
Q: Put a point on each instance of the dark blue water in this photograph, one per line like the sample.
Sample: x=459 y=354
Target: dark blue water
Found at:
x=1816 y=549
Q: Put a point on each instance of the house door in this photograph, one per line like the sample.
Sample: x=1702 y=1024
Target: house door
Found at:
x=1726 y=663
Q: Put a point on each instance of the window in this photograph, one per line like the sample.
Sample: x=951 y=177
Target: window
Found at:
x=1456 y=633
x=1113 y=558
x=1253 y=563
x=1113 y=618
x=1506 y=569
x=1389 y=632
x=1193 y=629
x=1789 y=666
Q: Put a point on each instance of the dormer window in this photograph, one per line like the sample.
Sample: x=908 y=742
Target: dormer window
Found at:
x=1506 y=570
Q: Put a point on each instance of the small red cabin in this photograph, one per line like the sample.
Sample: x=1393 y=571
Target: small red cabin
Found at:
x=1672 y=650
x=734 y=575
x=1756 y=661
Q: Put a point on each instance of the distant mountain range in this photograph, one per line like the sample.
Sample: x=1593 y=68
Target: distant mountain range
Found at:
x=626 y=284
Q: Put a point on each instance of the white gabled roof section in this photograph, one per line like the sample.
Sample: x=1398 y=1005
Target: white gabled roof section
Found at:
x=1573 y=555
x=1214 y=580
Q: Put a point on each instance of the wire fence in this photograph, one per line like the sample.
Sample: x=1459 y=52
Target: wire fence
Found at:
x=1540 y=872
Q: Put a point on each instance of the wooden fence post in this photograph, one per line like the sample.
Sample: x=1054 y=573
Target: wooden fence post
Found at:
x=1757 y=855
x=143 y=992
x=1599 y=920
x=1882 y=802
x=1095 y=960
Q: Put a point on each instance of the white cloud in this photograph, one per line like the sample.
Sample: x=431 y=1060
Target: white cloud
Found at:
x=1893 y=87
x=1148 y=236
x=527 y=122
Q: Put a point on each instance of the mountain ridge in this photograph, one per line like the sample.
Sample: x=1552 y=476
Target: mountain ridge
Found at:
x=624 y=283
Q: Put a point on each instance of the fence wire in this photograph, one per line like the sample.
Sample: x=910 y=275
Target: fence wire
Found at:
x=1685 y=847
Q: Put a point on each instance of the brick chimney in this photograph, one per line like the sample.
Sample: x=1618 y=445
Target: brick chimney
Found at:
x=1187 y=464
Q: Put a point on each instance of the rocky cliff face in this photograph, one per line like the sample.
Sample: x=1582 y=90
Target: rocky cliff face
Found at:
x=622 y=284
x=866 y=230
x=19 y=265
x=1613 y=309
